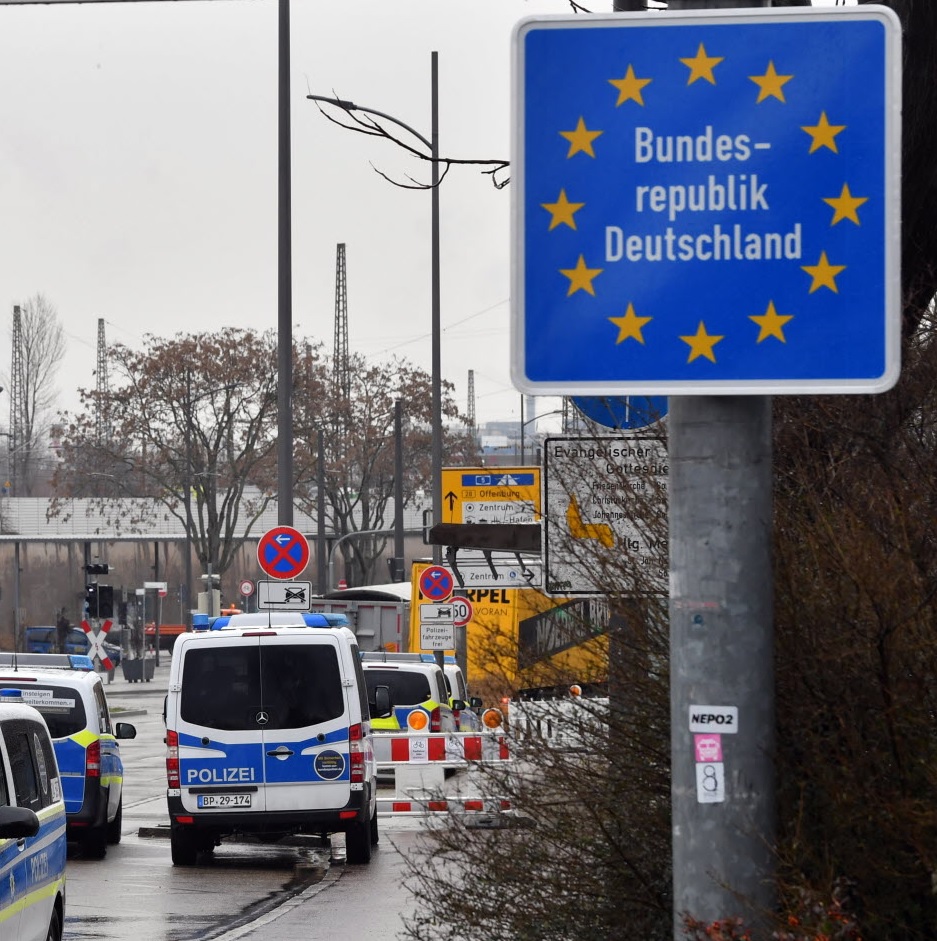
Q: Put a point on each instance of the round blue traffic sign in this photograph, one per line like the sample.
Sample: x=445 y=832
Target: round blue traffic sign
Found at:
x=283 y=552
x=436 y=583
x=626 y=411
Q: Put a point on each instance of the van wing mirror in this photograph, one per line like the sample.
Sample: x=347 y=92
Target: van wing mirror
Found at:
x=17 y=822
x=382 y=706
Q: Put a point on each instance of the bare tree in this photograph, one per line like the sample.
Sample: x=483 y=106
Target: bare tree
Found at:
x=41 y=348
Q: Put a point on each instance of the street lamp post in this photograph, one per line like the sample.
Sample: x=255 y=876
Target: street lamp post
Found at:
x=433 y=144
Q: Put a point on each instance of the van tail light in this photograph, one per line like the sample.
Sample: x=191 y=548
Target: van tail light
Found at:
x=435 y=720
x=93 y=759
x=172 y=759
x=356 y=753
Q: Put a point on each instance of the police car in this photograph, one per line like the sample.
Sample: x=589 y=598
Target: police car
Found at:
x=417 y=688
x=32 y=827
x=70 y=696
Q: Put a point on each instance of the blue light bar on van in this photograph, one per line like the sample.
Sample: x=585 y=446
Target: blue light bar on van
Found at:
x=47 y=661
x=11 y=695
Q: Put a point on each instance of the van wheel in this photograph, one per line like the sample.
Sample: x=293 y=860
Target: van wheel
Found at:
x=183 y=845
x=375 y=836
x=94 y=843
x=358 y=844
x=113 y=828
x=55 y=926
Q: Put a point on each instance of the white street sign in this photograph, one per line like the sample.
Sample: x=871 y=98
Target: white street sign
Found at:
x=437 y=631
x=284 y=596
x=508 y=573
x=604 y=498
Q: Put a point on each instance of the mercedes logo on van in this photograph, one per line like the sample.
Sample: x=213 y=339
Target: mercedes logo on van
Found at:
x=262 y=717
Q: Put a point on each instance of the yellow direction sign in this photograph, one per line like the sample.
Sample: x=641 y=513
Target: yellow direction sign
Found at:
x=491 y=495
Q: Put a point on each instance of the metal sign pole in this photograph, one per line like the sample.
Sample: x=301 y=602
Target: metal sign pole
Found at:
x=721 y=651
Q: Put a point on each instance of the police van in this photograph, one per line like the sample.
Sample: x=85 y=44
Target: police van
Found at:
x=417 y=688
x=268 y=734
x=70 y=696
x=32 y=827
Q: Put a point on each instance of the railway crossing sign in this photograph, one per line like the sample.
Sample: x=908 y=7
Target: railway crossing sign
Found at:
x=703 y=204
x=436 y=583
x=96 y=643
x=283 y=552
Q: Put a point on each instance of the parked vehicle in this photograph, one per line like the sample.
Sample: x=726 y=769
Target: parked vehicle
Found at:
x=465 y=708
x=269 y=734
x=70 y=696
x=32 y=827
x=42 y=640
x=418 y=691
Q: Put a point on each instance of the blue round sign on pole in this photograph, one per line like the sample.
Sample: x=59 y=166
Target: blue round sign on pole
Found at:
x=627 y=411
x=436 y=583
x=283 y=552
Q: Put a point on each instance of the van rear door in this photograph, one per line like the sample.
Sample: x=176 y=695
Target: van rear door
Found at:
x=221 y=710
x=306 y=736
x=262 y=718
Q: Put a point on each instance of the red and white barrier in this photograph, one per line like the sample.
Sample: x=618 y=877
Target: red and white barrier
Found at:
x=455 y=749
x=448 y=805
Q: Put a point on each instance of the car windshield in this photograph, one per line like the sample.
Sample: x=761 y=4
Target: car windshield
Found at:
x=60 y=706
x=406 y=688
x=225 y=687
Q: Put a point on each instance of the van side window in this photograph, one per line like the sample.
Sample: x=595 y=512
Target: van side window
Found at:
x=359 y=679
x=100 y=703
x=4 y=791
x=46 y=763
x=25 y=777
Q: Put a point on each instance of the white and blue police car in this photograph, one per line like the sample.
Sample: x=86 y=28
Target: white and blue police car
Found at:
x=32 y=826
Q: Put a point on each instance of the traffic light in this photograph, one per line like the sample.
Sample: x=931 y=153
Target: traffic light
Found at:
x=91 y=600
x=105 y=601
x=97 y=568
x=99 y=600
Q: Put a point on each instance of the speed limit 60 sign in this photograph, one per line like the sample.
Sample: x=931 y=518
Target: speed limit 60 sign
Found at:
x=461 y=611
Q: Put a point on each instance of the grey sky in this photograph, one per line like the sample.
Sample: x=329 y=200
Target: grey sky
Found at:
x=138 y=174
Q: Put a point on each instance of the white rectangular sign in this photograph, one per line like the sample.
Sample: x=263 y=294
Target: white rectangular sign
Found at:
x=723 y=719
x=437 y=630
x=284 y=596
x=604 y=501
x=508 y=572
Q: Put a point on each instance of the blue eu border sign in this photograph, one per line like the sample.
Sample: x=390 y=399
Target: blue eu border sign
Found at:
x=707 y=203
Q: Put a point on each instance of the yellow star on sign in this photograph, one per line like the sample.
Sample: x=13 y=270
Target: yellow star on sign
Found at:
x=823 y=274
x=770 y=84
x=701 y=66
x=562 y=211
x=580 y=140
x=701 y=344
x=580 y=277
x=629 y=87
x=629 y=326
x=823 y=133
x=846 y=205
x=771 y=323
